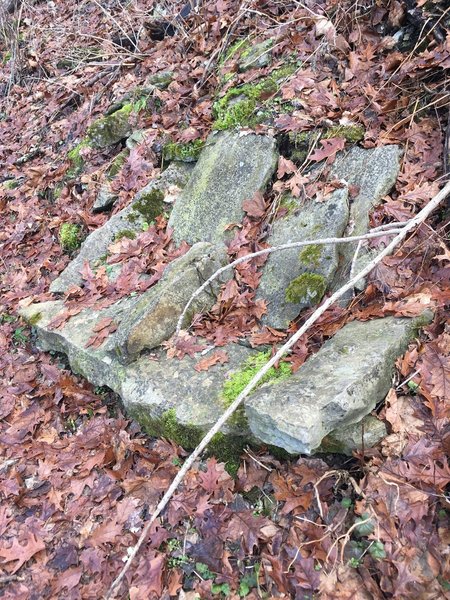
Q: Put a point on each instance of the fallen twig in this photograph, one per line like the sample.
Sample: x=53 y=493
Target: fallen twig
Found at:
x=383 y=230
x=412 y=224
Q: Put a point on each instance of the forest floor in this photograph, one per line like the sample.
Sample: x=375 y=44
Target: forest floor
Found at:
x=78 y=480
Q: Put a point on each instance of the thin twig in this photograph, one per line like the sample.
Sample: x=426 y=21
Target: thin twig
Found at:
x=355 y=258
x=321 y=241
x=412 y=224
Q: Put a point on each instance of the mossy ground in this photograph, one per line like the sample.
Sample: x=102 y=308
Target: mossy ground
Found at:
x=308 y=287
x=69 y=237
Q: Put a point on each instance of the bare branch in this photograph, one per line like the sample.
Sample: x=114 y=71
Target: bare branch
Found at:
x=410 y=226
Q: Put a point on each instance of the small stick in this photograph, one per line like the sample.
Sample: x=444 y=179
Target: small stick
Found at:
x=355 y=258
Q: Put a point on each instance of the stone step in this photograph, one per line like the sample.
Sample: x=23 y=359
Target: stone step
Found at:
x=336 y=387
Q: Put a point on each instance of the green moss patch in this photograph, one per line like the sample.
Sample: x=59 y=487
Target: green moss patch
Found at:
x=125 y=233
x=351 y=133
x=69 y=237
x=308 y=287
x=239 y=106
x=236 y=383
x=300 y=143
x=148 y=207
x=188 y=152
x=76 y=159
x=226 y=448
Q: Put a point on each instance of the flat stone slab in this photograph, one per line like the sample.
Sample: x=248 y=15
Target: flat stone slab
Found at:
x=232 y=167
x=96 y=244
x=374 y=172
x=151 y=385
x=336 y=387
x=309 y=221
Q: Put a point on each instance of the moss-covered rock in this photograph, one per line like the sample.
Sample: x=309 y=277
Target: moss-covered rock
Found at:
x=97 y=243
x=298 y=144
x=149 y=205
x=110 y=129
x=76 y=159
x=125 y=233
x=235 y=384
x=160 y=80
x=240 y=106
x=297 y=278
x=256 y=56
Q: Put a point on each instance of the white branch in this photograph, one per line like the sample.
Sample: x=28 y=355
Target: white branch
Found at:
x=381 y=231
x=417 y=220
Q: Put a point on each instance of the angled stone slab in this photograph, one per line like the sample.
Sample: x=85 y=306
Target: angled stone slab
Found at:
x=154 y=317
x=146 y=320
x=374 y=172
x=96 y=244
x=336 y=387
x=153 y=389
x=232 y=167
x=307 y=221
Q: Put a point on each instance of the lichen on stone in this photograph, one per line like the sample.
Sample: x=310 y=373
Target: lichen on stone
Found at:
x=147 y=207
x=69 y=237
x=308 y=287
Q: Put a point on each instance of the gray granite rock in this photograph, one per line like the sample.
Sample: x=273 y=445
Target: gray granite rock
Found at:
x=308 y=221
x=153 y=318
x=106 y=198
x=336 y=387
x=374 y=172
x=232 y=167
x=96 y=244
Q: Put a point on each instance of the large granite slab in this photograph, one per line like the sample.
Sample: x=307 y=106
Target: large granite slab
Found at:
x=308 y=221
x=232 y=167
